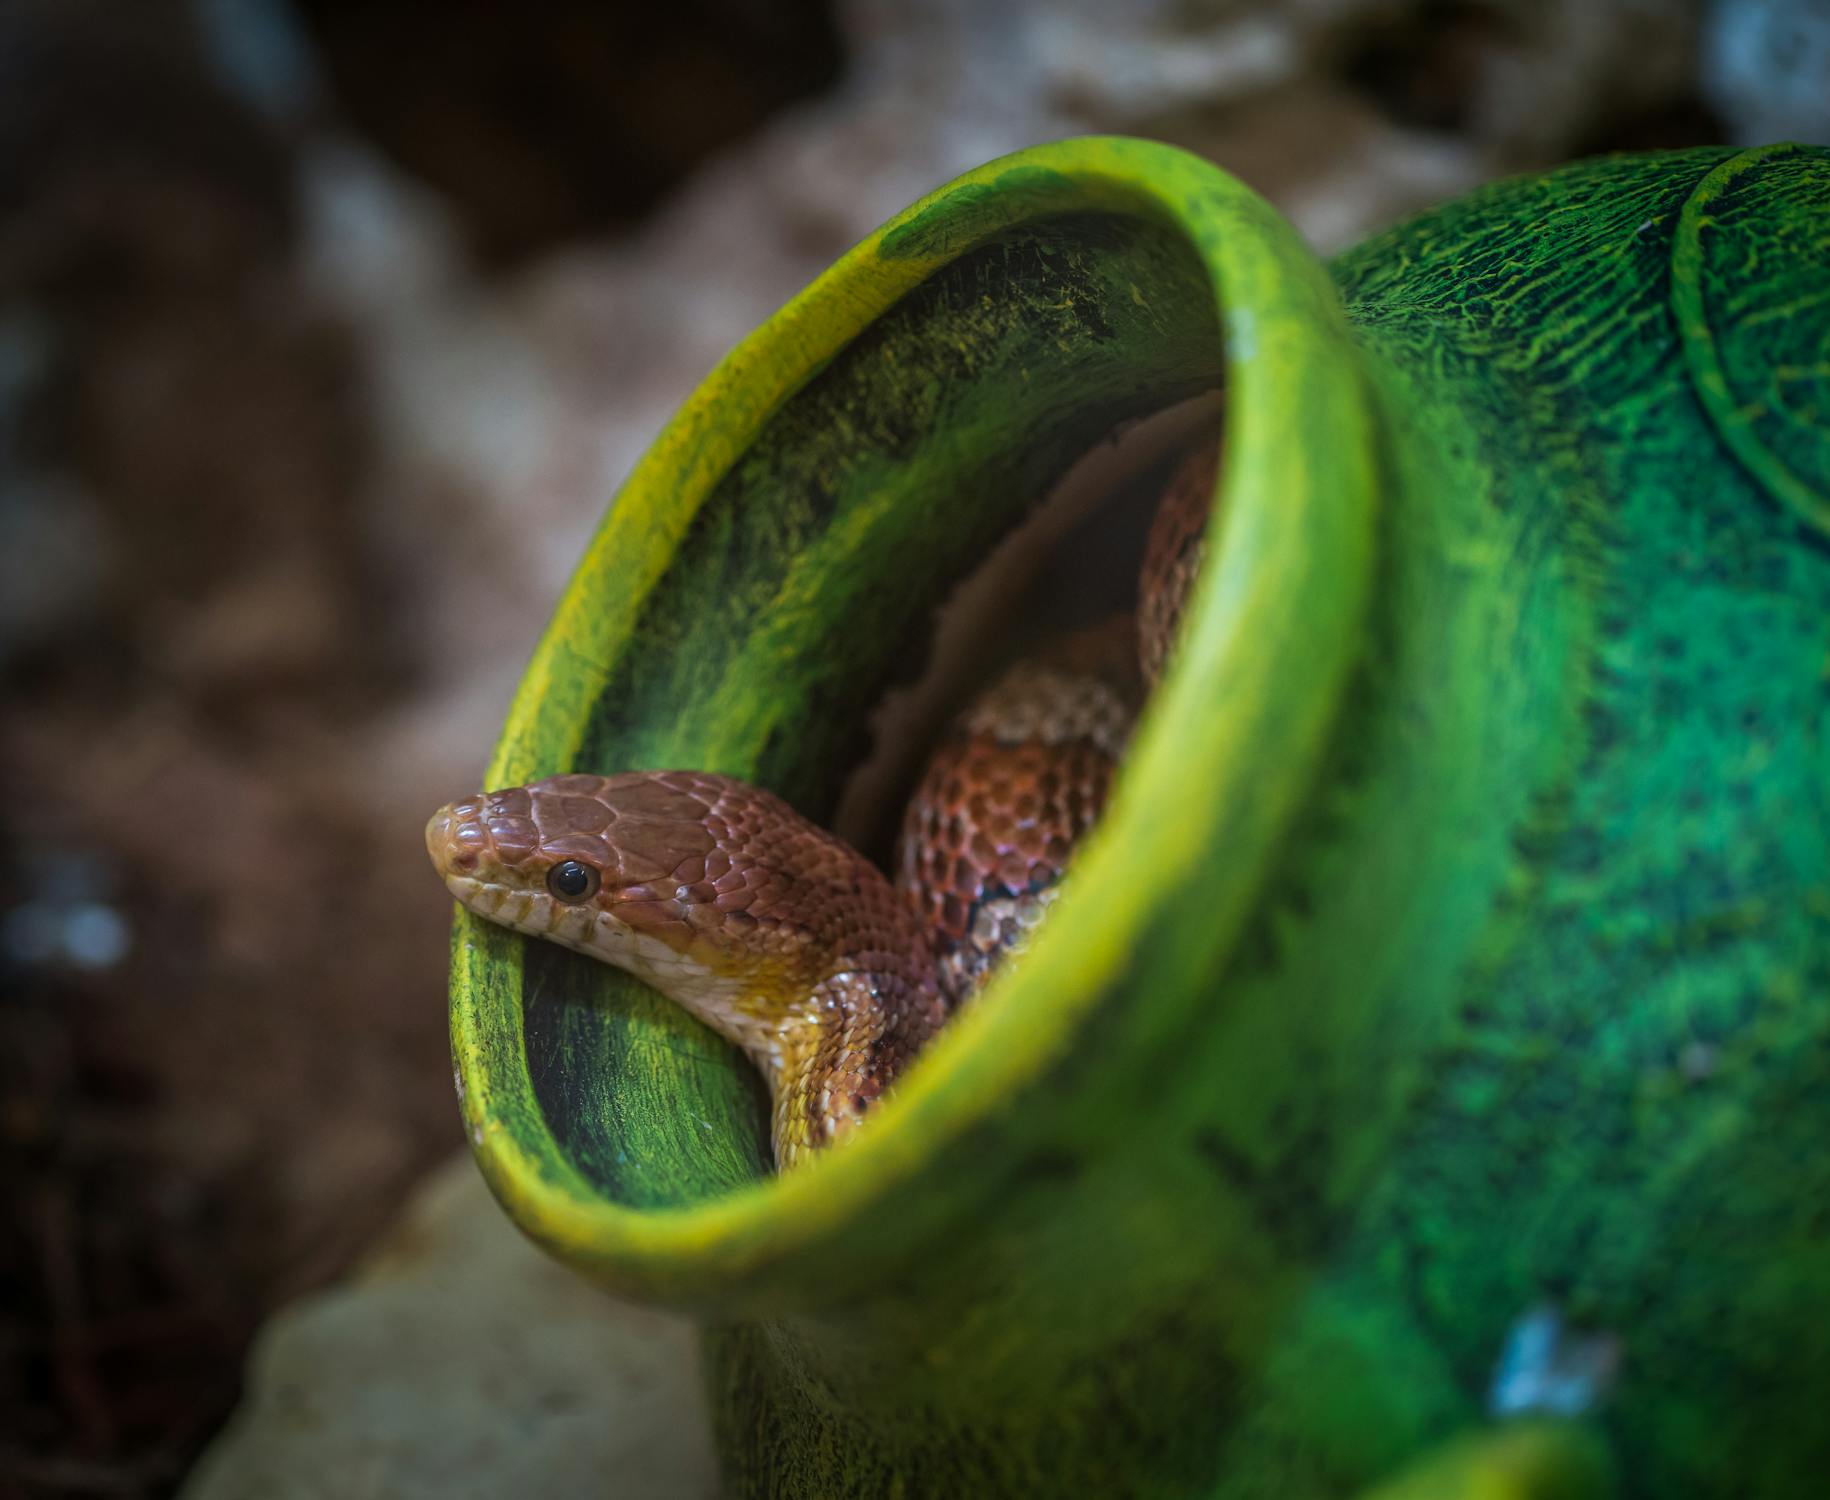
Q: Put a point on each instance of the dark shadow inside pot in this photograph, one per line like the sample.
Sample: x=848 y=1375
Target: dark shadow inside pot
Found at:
x=806 y=585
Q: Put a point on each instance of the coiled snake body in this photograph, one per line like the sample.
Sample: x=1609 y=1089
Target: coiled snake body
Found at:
x=781 y=936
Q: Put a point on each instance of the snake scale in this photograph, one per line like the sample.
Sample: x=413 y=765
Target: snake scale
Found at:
x=780 y=936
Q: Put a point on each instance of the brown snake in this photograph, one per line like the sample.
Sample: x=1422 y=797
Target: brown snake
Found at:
x=782 y=937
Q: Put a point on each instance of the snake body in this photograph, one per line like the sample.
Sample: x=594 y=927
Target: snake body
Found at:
x=830 y=976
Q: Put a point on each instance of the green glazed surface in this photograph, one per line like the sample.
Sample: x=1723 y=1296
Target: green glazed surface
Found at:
x=1457 y=943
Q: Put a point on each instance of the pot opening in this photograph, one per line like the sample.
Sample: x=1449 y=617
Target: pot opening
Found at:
x=804 y=588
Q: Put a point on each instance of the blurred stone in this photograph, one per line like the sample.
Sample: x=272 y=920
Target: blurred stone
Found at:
x=462 y=1364
x=1766 y=68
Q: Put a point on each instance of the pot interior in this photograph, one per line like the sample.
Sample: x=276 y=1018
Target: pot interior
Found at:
x=801 y=583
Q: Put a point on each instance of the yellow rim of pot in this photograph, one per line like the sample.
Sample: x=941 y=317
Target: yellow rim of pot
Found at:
x=1274 y=621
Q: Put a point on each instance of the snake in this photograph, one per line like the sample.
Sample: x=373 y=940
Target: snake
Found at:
x=828 y=973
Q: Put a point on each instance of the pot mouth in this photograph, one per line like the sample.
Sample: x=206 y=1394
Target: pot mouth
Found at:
x=1268 y=639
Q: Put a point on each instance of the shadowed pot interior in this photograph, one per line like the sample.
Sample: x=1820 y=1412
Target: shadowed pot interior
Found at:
x=1236 y=1183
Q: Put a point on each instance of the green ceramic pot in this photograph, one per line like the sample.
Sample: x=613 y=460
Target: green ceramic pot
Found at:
x=1457 y=945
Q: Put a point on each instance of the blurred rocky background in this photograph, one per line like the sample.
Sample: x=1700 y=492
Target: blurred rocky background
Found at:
x=326 y=330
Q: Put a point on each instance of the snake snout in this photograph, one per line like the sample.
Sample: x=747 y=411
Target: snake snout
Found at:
x=486 y=850
x=438 y=836
x=455 y=838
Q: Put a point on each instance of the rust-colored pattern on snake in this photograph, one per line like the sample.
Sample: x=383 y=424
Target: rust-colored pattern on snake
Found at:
x=1021 y=775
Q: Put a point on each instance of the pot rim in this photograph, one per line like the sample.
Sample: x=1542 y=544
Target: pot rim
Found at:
x=1271 y=629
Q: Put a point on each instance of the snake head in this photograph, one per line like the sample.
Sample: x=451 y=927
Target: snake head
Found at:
x=714 y=892
x=779 y=936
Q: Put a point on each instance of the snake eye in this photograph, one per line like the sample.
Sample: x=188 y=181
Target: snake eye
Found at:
x=571 y=881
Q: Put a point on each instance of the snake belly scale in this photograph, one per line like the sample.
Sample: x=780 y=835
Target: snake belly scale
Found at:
x=784 y=939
